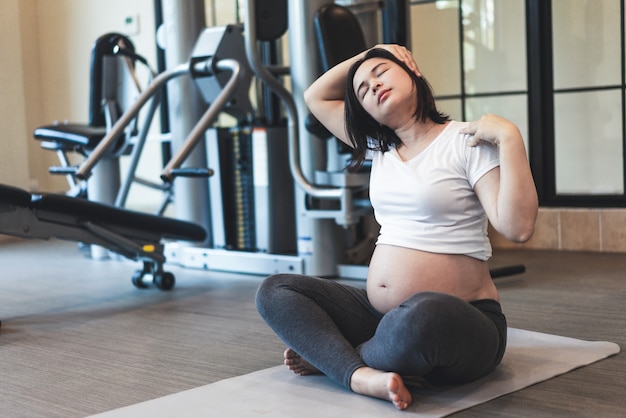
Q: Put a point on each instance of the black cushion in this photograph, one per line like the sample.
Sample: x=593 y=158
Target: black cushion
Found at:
x=339 y=34
x=99 y=213
x=85 y=210
x=14 y=196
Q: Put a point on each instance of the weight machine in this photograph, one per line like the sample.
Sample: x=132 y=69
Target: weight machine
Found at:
x=273 y=198
x=330 y=204
x=258 y=220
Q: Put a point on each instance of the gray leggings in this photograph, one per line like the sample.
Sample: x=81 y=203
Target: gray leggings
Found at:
x=334 y=327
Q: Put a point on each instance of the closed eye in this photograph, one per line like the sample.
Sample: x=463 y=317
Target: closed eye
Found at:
x=376 y=71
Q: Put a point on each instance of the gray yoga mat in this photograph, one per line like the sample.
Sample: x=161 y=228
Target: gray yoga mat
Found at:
x=531 y=357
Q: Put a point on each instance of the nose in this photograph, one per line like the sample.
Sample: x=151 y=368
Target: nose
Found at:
x=377 y=85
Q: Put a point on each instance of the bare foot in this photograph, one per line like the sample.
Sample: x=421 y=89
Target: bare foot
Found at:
x=383 y=385
x=297 y=364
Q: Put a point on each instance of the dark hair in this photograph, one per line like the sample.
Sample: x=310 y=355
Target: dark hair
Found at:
x=364 y=131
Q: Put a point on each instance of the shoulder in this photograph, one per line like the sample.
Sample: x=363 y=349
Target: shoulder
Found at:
x=451 y=142
x=454 y=138
x=451 y=133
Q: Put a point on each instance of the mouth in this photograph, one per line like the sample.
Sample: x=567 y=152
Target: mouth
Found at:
x=383 y=95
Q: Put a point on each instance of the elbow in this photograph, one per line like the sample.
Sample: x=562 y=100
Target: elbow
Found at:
x=521 y=237
x=307 y=95
x=518 y=229
x=521 y=232
x=519 y=226
x=310 y=101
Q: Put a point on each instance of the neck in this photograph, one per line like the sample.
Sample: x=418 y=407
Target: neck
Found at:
x=416 y=139
x=418 y=132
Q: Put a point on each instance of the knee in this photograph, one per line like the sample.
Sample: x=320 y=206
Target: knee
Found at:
x=277 y=281
x=427 y=312
x=268 y=287
x=270 y=290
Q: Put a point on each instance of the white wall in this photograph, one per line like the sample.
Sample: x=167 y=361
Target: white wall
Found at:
x=67 y=30
x=44 y=75
x=14 y=124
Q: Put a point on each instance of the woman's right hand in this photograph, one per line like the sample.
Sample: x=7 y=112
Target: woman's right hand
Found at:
x=403 y=54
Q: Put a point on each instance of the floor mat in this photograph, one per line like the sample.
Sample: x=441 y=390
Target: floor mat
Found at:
x=531 y=357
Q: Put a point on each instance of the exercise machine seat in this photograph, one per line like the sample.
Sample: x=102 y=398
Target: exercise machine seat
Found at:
x=13 y=196
x=125 y=222
x=105 y=103
x=339 y=36
x=70 y=136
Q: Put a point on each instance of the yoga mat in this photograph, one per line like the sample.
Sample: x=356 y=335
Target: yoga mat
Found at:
x=531 y=357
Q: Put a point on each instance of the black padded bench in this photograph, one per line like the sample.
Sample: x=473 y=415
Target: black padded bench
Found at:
x=135 y=235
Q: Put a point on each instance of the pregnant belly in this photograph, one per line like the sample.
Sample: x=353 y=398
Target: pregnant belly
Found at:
x=395 y=273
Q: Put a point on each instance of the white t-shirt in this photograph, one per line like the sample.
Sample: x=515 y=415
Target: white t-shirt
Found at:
x=428 y=203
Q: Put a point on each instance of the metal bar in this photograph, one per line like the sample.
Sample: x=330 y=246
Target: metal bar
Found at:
x=85 y=169
x=197 y=133
x=122 y=194
x=285 y=96
x=125 y=246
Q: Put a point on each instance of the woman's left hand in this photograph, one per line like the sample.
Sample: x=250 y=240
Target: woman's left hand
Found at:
x=489 y=128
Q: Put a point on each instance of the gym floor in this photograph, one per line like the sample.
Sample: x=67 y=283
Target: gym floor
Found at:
x=78 y=339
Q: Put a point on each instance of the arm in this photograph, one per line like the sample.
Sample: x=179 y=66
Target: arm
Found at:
x=507 y=193
x=325 y=97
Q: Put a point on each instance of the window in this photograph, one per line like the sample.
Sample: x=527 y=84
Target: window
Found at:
x=471 y=51
x=554 y=67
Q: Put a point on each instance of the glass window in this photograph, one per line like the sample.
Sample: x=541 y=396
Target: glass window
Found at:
x=435 y=44
x=493 y=59
x=586 y=43
x=512 y=107
x=474 y=52
x=588 y=144
x=494 y=46
x=588 y=114
x=451 y=107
